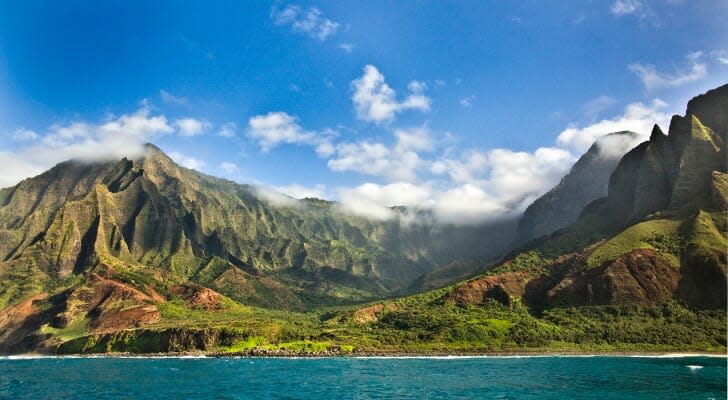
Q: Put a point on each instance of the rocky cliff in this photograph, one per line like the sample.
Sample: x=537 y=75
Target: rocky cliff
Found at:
x=659 y=235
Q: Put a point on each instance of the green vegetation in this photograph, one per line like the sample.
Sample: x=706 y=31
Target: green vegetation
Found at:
x=419 y=324
x=531 y=262
x=660 y=235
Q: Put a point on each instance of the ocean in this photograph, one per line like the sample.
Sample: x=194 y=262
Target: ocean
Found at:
x=546 y=377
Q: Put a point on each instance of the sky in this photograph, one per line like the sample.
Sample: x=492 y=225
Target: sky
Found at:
x=469 y=108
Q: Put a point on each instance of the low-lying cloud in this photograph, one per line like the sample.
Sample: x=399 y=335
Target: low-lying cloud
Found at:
x=637 y=117
x=111 y=139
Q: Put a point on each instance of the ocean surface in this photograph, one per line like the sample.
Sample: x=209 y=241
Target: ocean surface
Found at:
x=581 y=377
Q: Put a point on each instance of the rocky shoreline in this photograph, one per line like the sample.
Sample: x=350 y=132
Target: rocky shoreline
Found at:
x=333 y=353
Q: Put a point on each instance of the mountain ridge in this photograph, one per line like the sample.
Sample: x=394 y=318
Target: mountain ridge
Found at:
x=145 y=256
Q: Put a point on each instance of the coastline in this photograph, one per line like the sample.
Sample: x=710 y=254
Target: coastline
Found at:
x=369 y=355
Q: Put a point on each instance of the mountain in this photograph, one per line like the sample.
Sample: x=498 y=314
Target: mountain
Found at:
x=658 y=236
x=587 y=181
x=152 y=213
x=145 y=256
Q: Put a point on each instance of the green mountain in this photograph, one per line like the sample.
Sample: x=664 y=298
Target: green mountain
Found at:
x=152 y=213
x=146 y=256
x=659 y=235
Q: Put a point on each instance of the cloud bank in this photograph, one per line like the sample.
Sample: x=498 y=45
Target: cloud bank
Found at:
x=110 y=139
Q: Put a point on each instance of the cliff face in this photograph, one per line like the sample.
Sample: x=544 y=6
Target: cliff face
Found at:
x=660 y=234
x=674 y=171
x=587 y=181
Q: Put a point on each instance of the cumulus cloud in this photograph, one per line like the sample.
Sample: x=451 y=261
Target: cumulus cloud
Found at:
x=375 y=101
x=310 y=22
x=227 y=130
x=653 y=79
x=191 y=126
x=186 y=161
x=24 y=135
x=275 y=128
x=229 y=167
x=347 y=47
x=506 y=181
x=483 y=186
x=637 y=117
x=113 y=138
x=477 y=186
x=399 y=162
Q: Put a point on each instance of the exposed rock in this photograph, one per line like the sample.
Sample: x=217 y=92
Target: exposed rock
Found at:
x=18 y=325
x=640 y=277
x=372 y=313
x=109 y=305
x=499 y=287
x=198 y=296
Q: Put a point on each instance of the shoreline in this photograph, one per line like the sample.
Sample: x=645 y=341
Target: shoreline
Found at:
x=369 y=355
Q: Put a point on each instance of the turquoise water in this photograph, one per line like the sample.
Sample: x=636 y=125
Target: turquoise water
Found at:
x=359 y=378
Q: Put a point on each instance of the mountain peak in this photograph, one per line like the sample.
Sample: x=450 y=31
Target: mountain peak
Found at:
x=656 y=134
x=711 y=108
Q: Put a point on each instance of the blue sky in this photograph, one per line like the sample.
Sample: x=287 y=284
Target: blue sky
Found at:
x=472 y=108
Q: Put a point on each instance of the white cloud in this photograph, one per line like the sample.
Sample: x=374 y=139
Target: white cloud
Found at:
x=171 y=99
x=227 y=130
x=476 y=186
x=468 y=204
x=301 y=192
x=112 y=139
x=505 y=179
x=347 y=47
x=483 y=186
x=371 y=158
x=597 y=105
x=415 y=139
x=626 y=7
x=191 y=126
x=653 y=79
x=24 y=135
x=17 y=167
x=637 y=117
x=276 y=128
x=721 y=56
x=467 y=102
x=309 y=22
x=274 y=197
x=186 y=161
x=373 y=201
x=229 y=167
x=375 y=101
